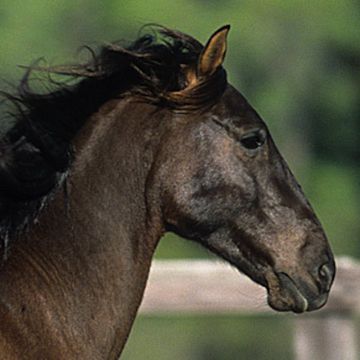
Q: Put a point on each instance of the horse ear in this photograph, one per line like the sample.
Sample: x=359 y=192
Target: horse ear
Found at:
x=213 y=54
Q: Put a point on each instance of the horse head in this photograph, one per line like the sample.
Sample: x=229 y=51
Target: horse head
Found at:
x=225 y=185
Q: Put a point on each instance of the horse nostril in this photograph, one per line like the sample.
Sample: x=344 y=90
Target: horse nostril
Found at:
x=326 y=274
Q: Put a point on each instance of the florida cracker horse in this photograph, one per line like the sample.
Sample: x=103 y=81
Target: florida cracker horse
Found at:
x=150 y=138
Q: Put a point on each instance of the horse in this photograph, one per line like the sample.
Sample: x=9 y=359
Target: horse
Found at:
x=140 y=140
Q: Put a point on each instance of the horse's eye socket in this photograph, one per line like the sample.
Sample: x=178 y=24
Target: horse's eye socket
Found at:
x=253 y=140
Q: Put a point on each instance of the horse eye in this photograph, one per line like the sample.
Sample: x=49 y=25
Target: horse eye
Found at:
x=253 y=140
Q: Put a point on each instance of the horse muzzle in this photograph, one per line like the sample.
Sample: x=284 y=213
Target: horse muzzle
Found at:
x=300 y=292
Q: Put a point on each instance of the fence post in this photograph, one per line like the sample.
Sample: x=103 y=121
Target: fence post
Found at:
x=329 y=336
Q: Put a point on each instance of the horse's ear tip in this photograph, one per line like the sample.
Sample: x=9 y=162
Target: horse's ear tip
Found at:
x=221 y=33
x=225 y=28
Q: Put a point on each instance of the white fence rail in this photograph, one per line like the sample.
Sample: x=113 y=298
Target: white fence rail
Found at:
x=209 y=287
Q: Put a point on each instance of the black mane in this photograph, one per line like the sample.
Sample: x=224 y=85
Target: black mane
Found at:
x=36 y=153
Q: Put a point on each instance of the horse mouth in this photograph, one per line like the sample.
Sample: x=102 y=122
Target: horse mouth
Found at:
x=285 y=295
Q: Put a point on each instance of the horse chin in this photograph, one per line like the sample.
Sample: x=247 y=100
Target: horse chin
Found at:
x=296 y=303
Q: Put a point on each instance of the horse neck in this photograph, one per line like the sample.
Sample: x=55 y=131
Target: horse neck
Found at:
x=93 y=254
x=110 y=183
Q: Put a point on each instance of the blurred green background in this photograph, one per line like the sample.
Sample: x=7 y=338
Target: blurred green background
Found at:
x=297 y=62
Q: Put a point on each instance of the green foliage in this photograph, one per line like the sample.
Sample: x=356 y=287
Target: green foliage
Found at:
x=211 y=338
x=335 y=191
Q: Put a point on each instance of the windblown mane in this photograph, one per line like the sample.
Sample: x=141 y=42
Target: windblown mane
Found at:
x=36 y=153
